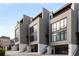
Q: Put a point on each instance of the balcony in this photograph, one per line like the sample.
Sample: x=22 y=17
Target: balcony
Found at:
x=33 y=36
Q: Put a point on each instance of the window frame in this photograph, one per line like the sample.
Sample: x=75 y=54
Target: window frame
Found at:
x=64 y=24
x=59 y=33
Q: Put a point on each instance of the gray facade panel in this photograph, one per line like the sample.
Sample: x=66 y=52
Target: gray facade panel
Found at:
x=44 y=27
x=58 y=18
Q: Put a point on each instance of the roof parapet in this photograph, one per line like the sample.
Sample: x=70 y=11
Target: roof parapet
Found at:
x=68 y=5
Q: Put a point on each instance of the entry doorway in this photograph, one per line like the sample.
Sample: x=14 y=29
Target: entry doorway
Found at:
x=61 y=49
x=34 y=48
x=17 y=46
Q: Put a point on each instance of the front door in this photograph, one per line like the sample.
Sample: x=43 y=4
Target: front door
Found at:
x=61 y=49
x=34 y=48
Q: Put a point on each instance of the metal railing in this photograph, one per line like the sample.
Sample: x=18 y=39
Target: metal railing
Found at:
x=44 y=50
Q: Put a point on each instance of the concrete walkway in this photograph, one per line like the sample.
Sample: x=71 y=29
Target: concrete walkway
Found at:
x=17 y=53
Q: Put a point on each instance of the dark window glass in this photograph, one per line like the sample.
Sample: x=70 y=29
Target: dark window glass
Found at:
x=58 y=36
x=62 y=35
x=31 y=38
x=53 y=37
x=31 y=30
x=33 y=33
x=65 y=35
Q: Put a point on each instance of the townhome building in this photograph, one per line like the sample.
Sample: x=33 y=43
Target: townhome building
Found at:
x=51 y=33
x=64 y=27
x=31 y=34
x=38 y=38
x=21 y=34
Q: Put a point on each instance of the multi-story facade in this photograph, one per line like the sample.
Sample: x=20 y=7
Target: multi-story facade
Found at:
x=50 y=33
x=17 y=36
x=24 y=25
x=21 y=33
x=38 y=40
x=63 y=30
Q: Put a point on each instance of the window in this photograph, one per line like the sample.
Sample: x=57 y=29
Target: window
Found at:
x=65 y=22
x=35 y=28
x=31 y=38
x=53 y=27
x=54 y=37
x=58 y=25
x=58 y=36
x=62 y=36
x=62 y=23
x=31 y=30
x=33 y=33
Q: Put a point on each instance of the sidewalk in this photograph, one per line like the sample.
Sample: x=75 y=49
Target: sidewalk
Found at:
x=17 y=53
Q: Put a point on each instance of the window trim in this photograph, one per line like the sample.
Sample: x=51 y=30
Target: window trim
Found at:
x=65 y=36
x=52 y=25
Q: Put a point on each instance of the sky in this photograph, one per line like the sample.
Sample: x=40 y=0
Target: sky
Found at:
x=10 y=13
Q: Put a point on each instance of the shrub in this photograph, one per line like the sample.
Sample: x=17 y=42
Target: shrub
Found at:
x=2 y=52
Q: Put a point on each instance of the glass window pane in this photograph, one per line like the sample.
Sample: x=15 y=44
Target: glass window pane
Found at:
x=35 y=28
x=54 y=27
x=62 y=36
x=58 y=25
x=61 y=23
x=54 y=37
x=58 y=37
x=35 y=35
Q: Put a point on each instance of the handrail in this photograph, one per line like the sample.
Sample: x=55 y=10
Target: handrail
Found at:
x=44 y=49
x=75 y=51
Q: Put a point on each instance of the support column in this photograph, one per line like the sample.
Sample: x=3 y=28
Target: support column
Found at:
x=69 y=50
x=53 y=50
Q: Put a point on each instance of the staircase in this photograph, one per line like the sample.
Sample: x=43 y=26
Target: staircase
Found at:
x=45 y=50
x=77 y=52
